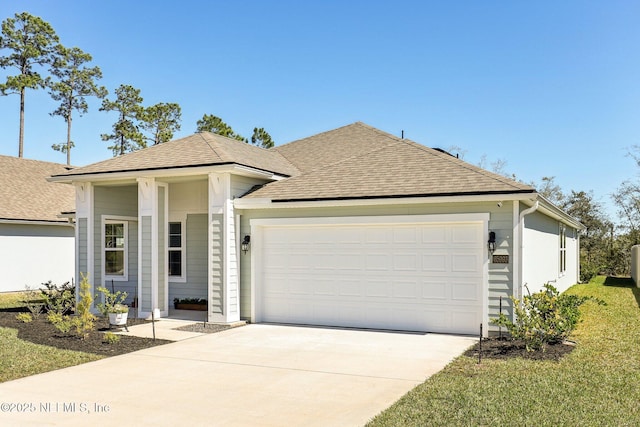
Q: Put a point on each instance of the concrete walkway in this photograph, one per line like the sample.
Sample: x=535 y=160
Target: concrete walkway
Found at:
x=256 y=375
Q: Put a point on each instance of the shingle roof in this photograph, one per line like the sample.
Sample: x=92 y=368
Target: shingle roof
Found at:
x=25 y=193
x=358 y=161
x=200 y=149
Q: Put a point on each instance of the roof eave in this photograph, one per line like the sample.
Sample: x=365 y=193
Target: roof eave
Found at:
x=266 y=203
x=23 y=221
x=177 y=171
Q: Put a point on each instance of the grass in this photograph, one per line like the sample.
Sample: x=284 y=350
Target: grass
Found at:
x=597 y=384
x=19 y=358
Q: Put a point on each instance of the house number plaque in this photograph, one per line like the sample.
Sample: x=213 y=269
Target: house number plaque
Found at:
x=500 y=259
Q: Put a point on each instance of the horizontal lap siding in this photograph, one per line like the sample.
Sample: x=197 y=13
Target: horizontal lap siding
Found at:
x=196 y=260
x=116 y=201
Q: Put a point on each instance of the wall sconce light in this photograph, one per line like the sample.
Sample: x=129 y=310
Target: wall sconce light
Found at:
x=245 y=244
x=492 y=242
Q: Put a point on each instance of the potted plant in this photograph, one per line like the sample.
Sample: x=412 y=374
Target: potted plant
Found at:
x=113 y=306
x=199 y=304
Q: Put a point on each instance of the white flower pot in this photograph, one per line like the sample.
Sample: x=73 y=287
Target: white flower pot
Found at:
x=118 y=319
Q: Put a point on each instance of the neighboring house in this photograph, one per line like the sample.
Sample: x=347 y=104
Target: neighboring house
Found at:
x=36 y=243
x=353 y=227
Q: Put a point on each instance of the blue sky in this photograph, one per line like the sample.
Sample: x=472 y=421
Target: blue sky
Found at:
x=549 y=87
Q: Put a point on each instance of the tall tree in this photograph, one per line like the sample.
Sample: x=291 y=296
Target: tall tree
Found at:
x=261 y=138
x=594 y=239
x=74 y=83
x=126 y=135
x=550 y=190
x=161 y=121
x=30 y=42
x=214 y=124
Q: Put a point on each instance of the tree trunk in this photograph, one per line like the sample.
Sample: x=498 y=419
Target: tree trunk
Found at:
x=69 y=139
x=21 y=136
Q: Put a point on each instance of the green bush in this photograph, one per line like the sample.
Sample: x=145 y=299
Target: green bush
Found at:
x=24 y=317
x=58 y=298
x=110 y=338
x=545 y=317
x=113 y=301
x=33 y=302
x=84 y=320
x=60 y=321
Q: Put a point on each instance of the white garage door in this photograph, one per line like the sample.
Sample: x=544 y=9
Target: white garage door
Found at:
x=415 y=277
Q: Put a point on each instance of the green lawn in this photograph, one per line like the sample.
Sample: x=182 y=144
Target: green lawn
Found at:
x=598 y=384
x=20 y=358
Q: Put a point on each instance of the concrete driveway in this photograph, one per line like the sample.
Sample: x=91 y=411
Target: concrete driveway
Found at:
x=256 y=375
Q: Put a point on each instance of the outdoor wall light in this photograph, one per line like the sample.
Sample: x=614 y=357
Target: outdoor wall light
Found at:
x=492 y=242
x=245 y=243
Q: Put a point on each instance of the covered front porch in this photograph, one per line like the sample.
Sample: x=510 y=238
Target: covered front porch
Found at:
x=162 y=238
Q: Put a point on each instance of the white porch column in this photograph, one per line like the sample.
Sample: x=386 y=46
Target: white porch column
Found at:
x=151 y=258
x=223 y=283
x=84 y=233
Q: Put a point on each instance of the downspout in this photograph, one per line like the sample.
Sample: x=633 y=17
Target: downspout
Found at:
x=524 y=213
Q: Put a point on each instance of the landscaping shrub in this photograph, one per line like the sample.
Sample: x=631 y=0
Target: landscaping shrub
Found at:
x=58 y=298
x=545 y=317
x=33 y=302
x=113 y=301
x=24 y=317
x=110 y=338
x=84 y=321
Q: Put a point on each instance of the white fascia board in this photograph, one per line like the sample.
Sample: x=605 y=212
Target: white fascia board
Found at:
x=35 y=222
x=263 y=203
x=131 y=176
x=551 y=210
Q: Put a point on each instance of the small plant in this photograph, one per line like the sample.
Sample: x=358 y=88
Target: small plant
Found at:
x=58 y=298
x=24 y=317
x=84 y=320
x=60 y=321
x=113 y=302
x=545 y=317
x=33 y=302
x=110 y=338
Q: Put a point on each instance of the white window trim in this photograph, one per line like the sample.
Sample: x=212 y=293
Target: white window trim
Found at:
x=183 y=249
x=562 y=235
x=115 y=220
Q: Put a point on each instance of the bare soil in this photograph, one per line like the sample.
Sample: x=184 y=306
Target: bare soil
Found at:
x=496 y=348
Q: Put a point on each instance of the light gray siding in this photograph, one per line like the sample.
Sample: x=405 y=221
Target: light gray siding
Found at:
x=501 y=222
x=216 y=300
x=196 y=261
x=83 y=247
x=241 y=184
x=116 y=202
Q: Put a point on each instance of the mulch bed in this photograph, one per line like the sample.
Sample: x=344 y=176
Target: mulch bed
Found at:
x=496 y=348
x=203 y=328
x=40 y=331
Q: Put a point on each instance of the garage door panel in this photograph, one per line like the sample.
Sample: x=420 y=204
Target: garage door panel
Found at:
x=465 y=291
x=405 y=262
x=434 y=261
x=423 y=277
x=434 y=290
x=466 y=262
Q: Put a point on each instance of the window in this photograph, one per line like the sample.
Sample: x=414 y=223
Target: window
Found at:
x=176 y=252
x=563 y=248
x=115 y=249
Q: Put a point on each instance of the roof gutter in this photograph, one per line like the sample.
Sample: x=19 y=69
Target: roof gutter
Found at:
x=34 y=222
x=166 y=172
x=263 y=203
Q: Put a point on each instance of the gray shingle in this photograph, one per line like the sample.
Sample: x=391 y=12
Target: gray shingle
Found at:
x=25 y=193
